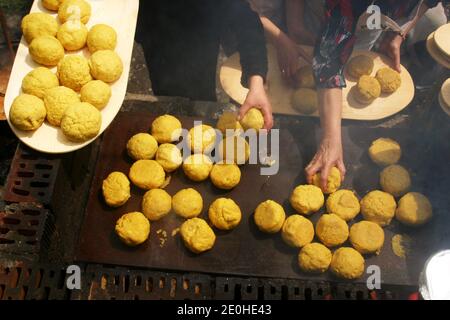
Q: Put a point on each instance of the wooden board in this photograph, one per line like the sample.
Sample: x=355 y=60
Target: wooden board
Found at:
x=441 y=38
x=435 y=53
x=122 y=16
x=280 y=93
x=246 y=251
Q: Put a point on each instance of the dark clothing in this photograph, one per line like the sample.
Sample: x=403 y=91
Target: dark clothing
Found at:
x=181 y=39
x=338 y=35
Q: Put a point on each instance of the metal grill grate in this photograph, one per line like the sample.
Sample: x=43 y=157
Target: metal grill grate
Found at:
x=32 y=177
x=23 y=229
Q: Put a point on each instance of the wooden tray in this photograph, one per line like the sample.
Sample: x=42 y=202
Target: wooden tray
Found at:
x=122 y=16
x=435 y=53
x=246 y=251
x=280 y=93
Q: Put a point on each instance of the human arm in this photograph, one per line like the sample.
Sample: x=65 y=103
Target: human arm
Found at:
x=295 y=23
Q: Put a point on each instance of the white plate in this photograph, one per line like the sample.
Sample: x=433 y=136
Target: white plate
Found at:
x=122 y=16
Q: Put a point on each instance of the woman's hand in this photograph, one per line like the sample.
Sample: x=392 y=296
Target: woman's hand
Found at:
x=329 y=155
x=288 y=57
x=257 y=98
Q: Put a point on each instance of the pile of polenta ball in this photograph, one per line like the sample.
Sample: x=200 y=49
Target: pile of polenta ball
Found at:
x=73 y=97
x=156 y=157
x=366 y=237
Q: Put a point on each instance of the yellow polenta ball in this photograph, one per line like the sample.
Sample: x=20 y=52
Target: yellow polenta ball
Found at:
x=359 y=66
x=56 y=101
x=166 y=129
x=367 y=90
x=367 y=237
x=347 y=263
x=187 y=203
x=228 y=121
x=197 y=167
x=74 y=10
x=305 y=100
x=395 y=180
x=106 y=65
x=331 y=230
x=27 y=112
x=379 y=207
x=305 y=77
x=202 y=138
x=38 y=24
x=116 y=189
x=38 y=81
x=72 y=35
x=253 y=119
x=224 y=214
x=234 y=150
x=74 y=72
x=81 y=122
x=307 y=199
x=46 y=50
x=197 y=235
x=142 y=146
x=414 y=209
x=385 y=152
x=169 y=157
x=389 y=80
x=156 y=204
x=333 y=183
x=101 y=37
x=147 y=174
x=133 y=228
x=344 y=204
x=225 y=176
x=297 y=231
x=52 y=5
x=269 y=217
x=314 y=258
x=97 y=93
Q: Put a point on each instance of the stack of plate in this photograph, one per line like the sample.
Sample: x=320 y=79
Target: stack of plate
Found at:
x=444 y=97
x=438 y=45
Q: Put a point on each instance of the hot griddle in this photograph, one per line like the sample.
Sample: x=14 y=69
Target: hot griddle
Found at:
x=246 y=251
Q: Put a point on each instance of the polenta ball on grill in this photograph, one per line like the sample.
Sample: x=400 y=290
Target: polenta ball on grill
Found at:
x=379 y=207
x=38 y=81
x=197 y=235
x=147 y=174
x=360 y=65
x=133 y=228
x=38 y=24
x=72 y=36
x=333 y=182
x=389 y=80
x=367 y=237
x=56 y=101
x=142 y=146
x=269 y=217
x=307 y=199
x=224 y=214
x=225 y=176
x=314 y=258
x=156 y=204
x=228 y=121
x=101 y=37
x=81 y=122
x=344 y=204
x=305 y=100
x=74 y=72
x=202 y=138
x=97 y=93
x=52 y=5
x=385 y=152
x=331 y=230
x=106 y=65
x=233 y=150
x=197 y=167
x=395 y=180
x=169 y=157
x=414 y=209
x=187 y=203
x=253 y=119
x=27 y=112
x=297 y=231
x=46 y=50
x=74 y=10
x=116 y=189
x=347 y=263
x=166 y=129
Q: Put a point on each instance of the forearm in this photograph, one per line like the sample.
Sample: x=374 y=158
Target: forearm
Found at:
x=423 y=8
x=273 y=33
x=330 y=110
x=294 y=21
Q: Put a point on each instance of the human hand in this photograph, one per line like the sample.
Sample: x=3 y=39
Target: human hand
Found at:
x=257 y=98
x=329 y=155
x=288 y=57
x=391 y=46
